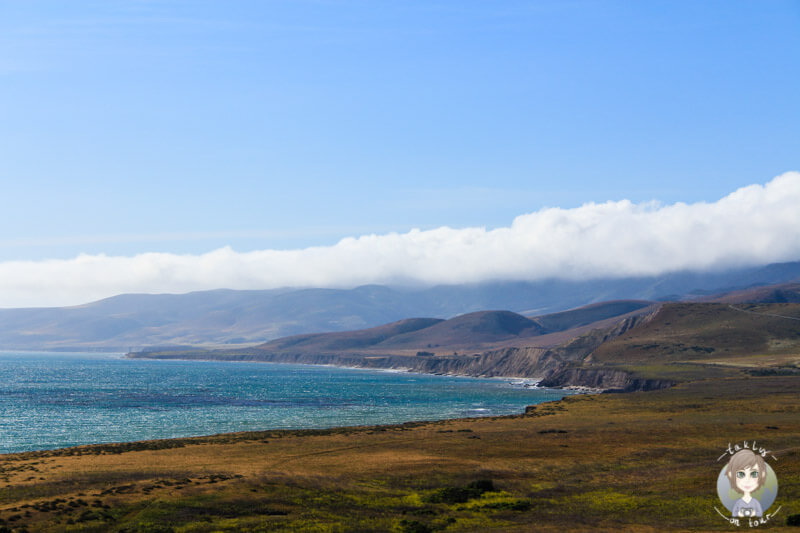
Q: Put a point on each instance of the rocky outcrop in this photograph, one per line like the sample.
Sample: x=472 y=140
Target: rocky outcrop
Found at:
x=508 y=362
x=609 y=380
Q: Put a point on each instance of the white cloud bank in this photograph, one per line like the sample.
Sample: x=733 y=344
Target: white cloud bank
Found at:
x=754 y=225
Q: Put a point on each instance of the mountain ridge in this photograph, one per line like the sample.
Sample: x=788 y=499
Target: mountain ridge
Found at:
x=224 y=317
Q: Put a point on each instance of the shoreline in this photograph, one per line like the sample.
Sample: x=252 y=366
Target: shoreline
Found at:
x=477 y=393
x=397 y=370
x=535 y=381
x=579 y=389
x=179 y=442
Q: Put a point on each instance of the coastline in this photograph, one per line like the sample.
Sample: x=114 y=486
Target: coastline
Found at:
x=129 y=401
x=546 y=375
x=533 y=382
x=102 y=448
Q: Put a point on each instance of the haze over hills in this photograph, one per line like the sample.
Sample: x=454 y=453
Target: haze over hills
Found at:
x=775 y=294
x=229 y=318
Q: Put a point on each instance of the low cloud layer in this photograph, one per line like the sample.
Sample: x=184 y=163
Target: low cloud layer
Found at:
x=754 y=225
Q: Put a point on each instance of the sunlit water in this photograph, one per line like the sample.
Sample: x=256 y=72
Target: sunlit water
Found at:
x=53 y=400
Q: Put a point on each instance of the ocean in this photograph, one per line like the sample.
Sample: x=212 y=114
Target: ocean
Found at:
x=54 y=400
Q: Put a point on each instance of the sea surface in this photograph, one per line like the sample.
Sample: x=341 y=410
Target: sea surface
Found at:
x=54 y=400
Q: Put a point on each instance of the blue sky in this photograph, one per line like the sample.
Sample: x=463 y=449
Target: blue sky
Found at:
x=182 y=127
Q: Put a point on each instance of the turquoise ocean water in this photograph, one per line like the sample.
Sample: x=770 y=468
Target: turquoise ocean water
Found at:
x=53 y=400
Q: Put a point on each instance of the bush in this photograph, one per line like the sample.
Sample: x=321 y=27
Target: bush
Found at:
x=793 y=520
x=511 y=505
x=451 y=495
x=413 y=526
x=483 y=485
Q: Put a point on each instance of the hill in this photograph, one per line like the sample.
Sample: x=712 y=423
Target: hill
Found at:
x=226 y=318
x=709 y=332
x=686 y=341
x=469 y=330
x=350 y=340
x=589 y=314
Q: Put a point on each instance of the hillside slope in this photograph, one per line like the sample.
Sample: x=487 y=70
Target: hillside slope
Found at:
x=349 y=340
x=709 y=332
x=691 y=341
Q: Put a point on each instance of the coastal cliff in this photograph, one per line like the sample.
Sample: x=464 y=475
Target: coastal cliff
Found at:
x=608 y=380
x=508 y=362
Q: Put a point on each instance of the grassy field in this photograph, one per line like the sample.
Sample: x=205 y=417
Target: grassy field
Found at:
x=612 y=462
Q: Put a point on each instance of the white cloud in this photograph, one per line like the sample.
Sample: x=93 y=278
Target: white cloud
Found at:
x=754 y=225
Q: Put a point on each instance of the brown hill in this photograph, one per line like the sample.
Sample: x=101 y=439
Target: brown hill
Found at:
x=471 y=329
x=711 y=332
x=688 y=342
x=589 y=314
x=348 y=340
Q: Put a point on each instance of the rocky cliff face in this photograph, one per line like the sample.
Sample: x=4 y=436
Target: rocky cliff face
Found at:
x=509 y=362
x=605 y=379
x=574 y=354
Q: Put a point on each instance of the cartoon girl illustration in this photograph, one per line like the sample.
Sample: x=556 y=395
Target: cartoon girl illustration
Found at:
x=746 y=472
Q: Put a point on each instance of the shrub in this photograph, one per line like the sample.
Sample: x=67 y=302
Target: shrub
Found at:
x=414 y=526
x=451 y=495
